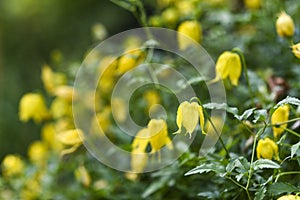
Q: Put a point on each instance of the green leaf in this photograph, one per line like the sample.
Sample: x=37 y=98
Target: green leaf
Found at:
x=204 y=168
x=246 y=114
x=294 y=149
x=260 y=115
x=155 y=186
x=260 y=194
x=125 y=4
x=290 y=100
x=221 y=106
x=281 y=187
x=265 y=163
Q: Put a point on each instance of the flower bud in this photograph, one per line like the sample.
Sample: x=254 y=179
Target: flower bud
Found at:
x=285 y=25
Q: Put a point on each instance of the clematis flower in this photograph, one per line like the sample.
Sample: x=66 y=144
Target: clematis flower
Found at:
x=72 y=138
x=188 y=116
x=252 y=4
x=65 y=92
x=32 y=106
x=285 y=25
x=267 y=148
x=12 y=165
x=228 y=66
x=281 y=114
x=155 y=135
x=52 y=79
x=158 y=132
x=83 y=176
x=296 y=50
x=37 y=152
x=190 y=29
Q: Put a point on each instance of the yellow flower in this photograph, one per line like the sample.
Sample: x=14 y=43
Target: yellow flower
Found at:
x=38 y=152
x=289 y=197
x=51 y=79
x=130 y=60
x=285 y=25
x=138 y=161
x=101 y=123
x=252 y=4
x=60 y=108
x=296 y=50
x=12 y=165
x=191 y=29
x=186 y=7
x=188 y=116
x=152 y=97
x=65 y=92
x=170 y=16
x=71 y=138
x=49 y=137
x=267 y=148
x=281 y=114
x=158 y=132
x=83 y=176
x=229 y=65
x=33 y=106
x=141 y=140
x=119 y=109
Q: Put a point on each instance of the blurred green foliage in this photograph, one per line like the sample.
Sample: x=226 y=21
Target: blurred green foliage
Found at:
x=30 y=32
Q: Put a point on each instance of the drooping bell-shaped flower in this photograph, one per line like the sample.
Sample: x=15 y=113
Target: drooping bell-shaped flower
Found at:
x=188 y=116
x=267 y=148
x=229 y=66
x=280 y=115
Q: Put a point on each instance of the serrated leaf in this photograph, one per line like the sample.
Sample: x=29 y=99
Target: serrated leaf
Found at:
x=241 y=165
x=204 y=168
x=294 y=149
x=265 y=163
x=260 y=194
x=290 y=100
x=155 y=186
x=260 y=115
x=246 y=114
x=221 y=106
x=281 y=187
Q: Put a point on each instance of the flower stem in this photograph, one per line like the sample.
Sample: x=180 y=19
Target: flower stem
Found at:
x=261 y=131
x=213 y=125
x=244 y=65
x=285 y=173
x=291 y=131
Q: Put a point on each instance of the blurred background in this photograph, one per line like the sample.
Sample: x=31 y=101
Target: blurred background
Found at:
x=33 y=33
